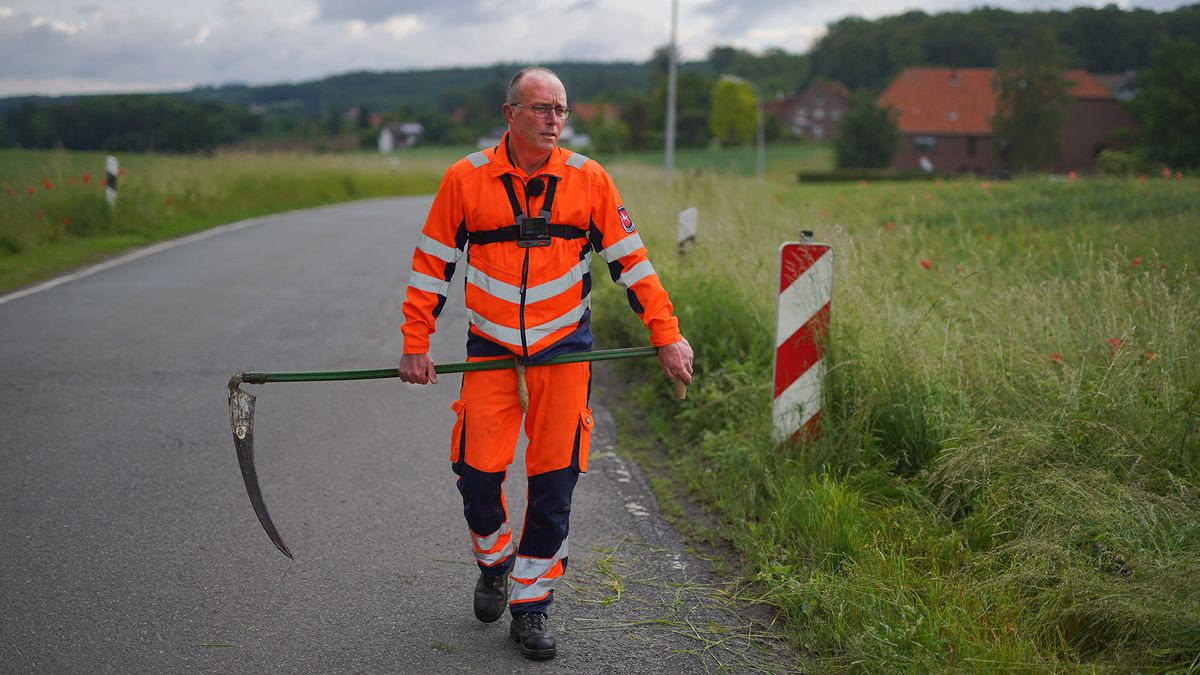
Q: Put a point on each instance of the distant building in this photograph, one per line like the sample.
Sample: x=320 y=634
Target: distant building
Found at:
x=945 y=120
x=1120 y=84
x=403 y=135
x=816 y=113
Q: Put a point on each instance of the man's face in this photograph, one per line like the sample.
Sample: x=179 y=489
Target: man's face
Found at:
x=530 y=132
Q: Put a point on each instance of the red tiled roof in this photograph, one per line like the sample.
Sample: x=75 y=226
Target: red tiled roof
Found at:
x=960 y=100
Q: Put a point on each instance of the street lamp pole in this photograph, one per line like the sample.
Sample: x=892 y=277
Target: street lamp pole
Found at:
x=672 y=67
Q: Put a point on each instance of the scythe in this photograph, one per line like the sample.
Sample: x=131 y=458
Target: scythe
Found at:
x=241 y=408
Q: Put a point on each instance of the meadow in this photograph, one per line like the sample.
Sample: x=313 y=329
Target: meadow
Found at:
x=1008 y=473
x=54 y=216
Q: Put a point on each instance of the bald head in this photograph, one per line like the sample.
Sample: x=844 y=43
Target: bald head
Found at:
x=526 y=76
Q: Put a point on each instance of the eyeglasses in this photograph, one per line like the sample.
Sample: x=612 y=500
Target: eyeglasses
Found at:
x=543 y=110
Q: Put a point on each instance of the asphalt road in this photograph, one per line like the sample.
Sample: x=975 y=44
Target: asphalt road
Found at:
x=127 y=542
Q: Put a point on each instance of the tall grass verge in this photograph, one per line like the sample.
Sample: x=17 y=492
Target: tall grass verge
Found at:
x=1008 y=472
x=53 y=214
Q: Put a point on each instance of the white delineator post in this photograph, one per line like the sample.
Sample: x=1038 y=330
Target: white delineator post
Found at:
x=802 y=320
x=111 y=169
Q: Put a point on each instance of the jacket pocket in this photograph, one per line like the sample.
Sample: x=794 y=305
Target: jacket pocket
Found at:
x=583 y=440
x=458 y=437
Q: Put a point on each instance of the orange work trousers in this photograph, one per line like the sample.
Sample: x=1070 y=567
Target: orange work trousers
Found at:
x=558 y=426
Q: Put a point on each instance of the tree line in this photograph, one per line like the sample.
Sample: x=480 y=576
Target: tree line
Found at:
x=137 y=123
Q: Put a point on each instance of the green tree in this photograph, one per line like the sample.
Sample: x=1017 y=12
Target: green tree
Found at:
x=1031 y=101
x=1168 y=104
x=733 y=114
x=869 y=136
x=636 y=117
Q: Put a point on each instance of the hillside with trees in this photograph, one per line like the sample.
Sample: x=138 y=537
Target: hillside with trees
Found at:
x=459 y=105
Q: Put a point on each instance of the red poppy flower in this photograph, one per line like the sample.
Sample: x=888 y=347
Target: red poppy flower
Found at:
x=1137 y=262
x=66 y=221
x=890 y=226
x=926 y=263
x=48 y=185
x=121 y=172
x=37 y=214
x=1114 y=345
x=170 y=202
x=87 y=177
x=1150 y=356
x=1054 y=358
x=863 y=182
x=9 y=191
x=1071 y=175
x=985 y=185
x=1166 y=173
x=1141 y=178
x=29 y=191
x=1178 y=175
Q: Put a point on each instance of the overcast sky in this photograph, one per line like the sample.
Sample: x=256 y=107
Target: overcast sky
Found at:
x=75 y=46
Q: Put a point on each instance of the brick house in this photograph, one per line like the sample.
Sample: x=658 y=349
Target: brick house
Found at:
x=945 y=120
x=816 y=113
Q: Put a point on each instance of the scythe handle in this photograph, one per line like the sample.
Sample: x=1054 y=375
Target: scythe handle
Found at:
x=501 y=364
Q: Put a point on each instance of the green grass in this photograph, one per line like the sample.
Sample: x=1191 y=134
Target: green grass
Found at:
x=998 y=484
x=54 y=217
x=782 y=162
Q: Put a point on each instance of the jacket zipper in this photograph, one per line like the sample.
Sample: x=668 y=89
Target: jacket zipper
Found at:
x=524 y=286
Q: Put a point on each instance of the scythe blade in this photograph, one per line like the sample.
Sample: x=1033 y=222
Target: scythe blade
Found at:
x=241 y=416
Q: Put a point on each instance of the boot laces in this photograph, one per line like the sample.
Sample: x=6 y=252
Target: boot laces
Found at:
x=536 y=621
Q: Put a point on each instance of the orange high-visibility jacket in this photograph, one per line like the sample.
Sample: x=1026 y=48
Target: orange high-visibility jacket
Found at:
x=532 y=302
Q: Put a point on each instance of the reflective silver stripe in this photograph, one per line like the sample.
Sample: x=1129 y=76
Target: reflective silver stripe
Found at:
x=489 y=542
x=495 y=331
x=477 y=159
x=571 y=318
x=533 y=334
x=509 y=293
x=527 y=569
x=528 y=579
x=425 y=282
x=437 y=249
x=493 y=287
x=483 y=544
x=622 y=248
x=576 y=161
x=635 y=274
x=554 y=287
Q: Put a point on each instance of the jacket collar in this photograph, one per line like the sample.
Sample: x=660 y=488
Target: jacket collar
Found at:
x=501 y=163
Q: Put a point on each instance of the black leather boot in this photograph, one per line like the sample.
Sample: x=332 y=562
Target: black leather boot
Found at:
x=532 y=632
x=491 y=596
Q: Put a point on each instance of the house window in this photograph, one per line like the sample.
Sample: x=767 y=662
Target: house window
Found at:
x=818 y=131
x=972 y=146
x=819 y=113
x=924 y=143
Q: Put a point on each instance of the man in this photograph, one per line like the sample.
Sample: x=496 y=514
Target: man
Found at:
x=532 y=213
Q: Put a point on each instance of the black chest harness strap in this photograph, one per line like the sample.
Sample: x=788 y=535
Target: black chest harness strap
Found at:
x=528 y=232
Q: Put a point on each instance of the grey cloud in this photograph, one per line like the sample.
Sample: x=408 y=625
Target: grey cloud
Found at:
x=737 y=17
x=374 y=11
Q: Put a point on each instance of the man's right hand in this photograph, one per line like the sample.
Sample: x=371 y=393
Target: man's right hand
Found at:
x=417 y=369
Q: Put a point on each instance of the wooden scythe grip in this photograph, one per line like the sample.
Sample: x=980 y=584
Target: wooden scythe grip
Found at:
x=680 y=390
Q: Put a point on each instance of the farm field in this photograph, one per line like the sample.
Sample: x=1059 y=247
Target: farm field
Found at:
x=1008 y=476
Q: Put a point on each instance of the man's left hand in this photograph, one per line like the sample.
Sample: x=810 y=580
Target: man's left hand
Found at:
x=675 y=360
